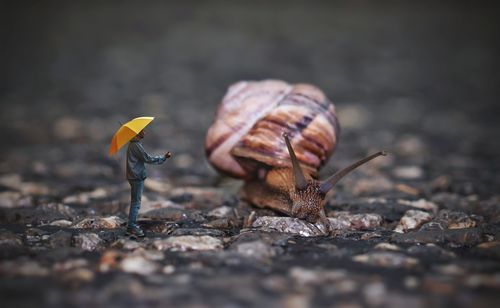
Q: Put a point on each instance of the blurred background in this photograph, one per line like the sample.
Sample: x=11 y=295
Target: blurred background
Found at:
x=417 y=78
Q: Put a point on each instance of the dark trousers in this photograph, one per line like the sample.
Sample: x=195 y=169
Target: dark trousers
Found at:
x=136 y=189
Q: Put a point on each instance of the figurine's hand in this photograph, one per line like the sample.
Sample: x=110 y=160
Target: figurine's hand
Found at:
x=168 y=155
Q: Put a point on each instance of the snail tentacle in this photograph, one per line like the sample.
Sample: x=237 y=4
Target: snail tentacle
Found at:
x=300 y=180
x=328 y=184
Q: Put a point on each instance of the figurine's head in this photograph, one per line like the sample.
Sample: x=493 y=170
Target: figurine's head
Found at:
x=140 y=135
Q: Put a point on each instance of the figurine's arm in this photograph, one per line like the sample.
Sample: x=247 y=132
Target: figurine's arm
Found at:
x=139 y=152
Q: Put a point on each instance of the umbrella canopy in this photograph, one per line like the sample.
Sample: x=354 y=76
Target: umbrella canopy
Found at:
x=128 y=131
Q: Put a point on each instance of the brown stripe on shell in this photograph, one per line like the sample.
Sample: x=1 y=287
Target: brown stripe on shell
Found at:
x=252 y=118
x=325 y=107
x=265 y=137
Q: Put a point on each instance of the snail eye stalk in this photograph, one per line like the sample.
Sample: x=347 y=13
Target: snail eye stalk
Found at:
x=300 y=180
x=328 y=184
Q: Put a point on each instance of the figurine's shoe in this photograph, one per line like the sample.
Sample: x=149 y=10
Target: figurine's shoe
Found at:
x=134 y=231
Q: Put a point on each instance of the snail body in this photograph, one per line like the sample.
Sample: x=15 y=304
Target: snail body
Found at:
x=276 y=136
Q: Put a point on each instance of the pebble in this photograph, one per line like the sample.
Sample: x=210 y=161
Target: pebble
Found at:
x=483 y=280
x=489 y=245
x=188 y=243
x=150 y=254
x=159 y=203
x=374 y=293
x=438 y=285
x=451 y=269
x=58 y=208
x=306 y=276
x=67 y=128
x=35 y=232
x=387 y=246
x=341 y=221
x=77 y=276
x=109 y=260
x=370 y=186
x=221 y=212
x=87 y=241
x=353 y=116
x=408 y=172
x=457 y=237
x=411 y=146
x=370 y=235
x=139 y=265
x=24 y=268
x=9 y=239
x=70 y=264
x=289 y=225
x=407 y=189
x=458 y=220
x=296 y=301
x=60 y=239
x=126 y=244
x=12 y=199
x=421 y=204
x=183 y=160
x=77 y=168
x=489 y=249
x=431 y=251
x=411 y=282
x=256 y=249
x=161 y=227
x=412 y=220
x=386 y=259
x=14 y=182
x=197 y=232
x=11 y=181
x=221 y=223
x=168 y=269
x=348 y=221
x=86 y=197
x=111 y=222
x=157 y=185
x=172 y=214
x=432 y=226
x=61 y=223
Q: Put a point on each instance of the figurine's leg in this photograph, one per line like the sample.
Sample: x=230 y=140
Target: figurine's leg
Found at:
x=136 y=189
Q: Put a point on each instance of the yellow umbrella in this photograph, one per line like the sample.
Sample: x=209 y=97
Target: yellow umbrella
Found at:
x=128 y=131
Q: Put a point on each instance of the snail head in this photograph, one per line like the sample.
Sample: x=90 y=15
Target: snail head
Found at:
x=308 y=196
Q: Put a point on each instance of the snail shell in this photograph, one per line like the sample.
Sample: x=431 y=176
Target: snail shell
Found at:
x=246 y=135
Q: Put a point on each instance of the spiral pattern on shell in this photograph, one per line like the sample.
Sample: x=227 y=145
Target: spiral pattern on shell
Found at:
x=247 y=131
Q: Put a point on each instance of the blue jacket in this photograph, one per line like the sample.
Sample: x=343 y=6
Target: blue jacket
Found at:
x=137 y=157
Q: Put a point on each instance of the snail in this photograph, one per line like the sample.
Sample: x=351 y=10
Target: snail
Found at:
x=276 y=136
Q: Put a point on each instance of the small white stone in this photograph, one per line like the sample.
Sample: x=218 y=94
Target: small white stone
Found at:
x=408 y=172
x=412 y=220
x=61 y=223
x=387 y=246
x=138 y=265
x=189 y=242
x=411 y=282
x=67 y=128
x=420 y=204
x=87 y=241
x=375 y=293
x=168 y=269
x=220 y=212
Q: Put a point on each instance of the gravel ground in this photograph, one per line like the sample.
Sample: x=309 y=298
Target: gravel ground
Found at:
x=417 y=228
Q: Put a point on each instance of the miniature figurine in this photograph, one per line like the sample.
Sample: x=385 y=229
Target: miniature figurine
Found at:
x=132 y=132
